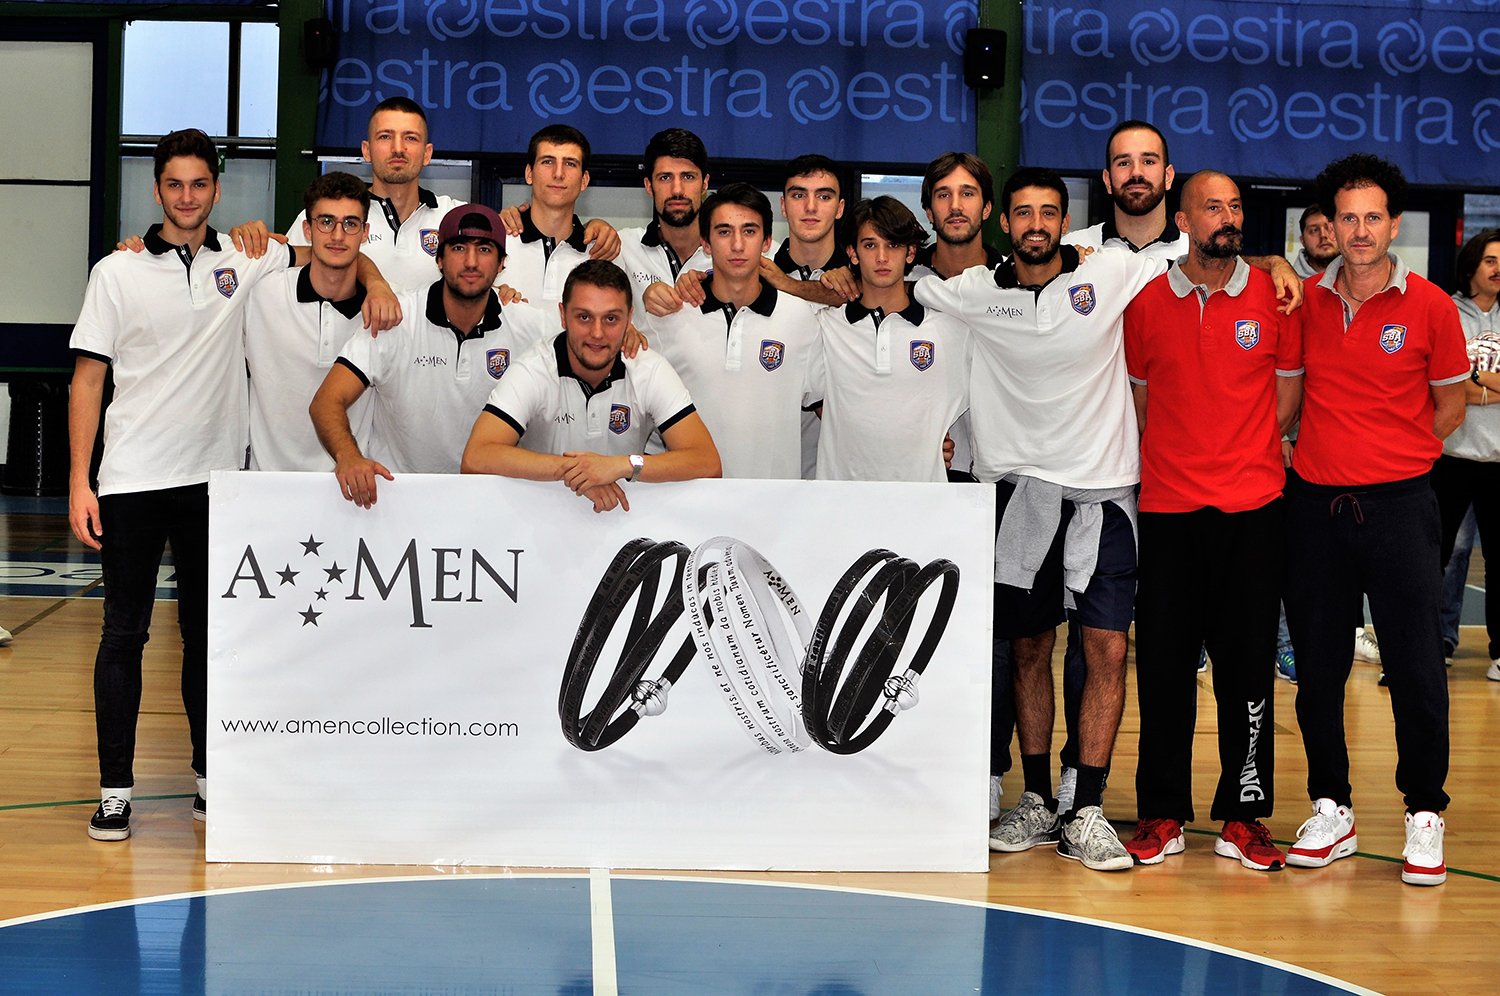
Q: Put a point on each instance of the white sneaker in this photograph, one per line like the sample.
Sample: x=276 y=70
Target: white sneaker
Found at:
x=1365 y=647
x=1424 y=850
x=1326 y=837
x=1029 y=824
x=1089 y=838
x=1067 y=788
x=1494 y=672
x=995 y=793
x=5 y=637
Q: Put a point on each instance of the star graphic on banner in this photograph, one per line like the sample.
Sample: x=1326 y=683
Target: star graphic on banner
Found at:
x=287 y=574
x=309 y=616
x=310 y=546
x=335 y=573
x=322 y=594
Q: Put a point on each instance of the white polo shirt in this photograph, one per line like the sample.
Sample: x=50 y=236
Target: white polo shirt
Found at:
x=171 y=324
x=404 y=251
x=812 y=426
x=748 y=372
x=1049 y=396
x=292 y=337
x=555 y=412
x=1169 y=245
x=431 y=380
x=891 y=386
x=922 y=265
x=647 y=258
x=538 y=265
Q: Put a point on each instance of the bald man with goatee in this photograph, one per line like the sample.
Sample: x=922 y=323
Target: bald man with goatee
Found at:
x=1216 y=372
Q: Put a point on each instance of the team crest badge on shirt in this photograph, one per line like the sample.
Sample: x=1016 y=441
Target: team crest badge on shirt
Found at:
x=430 y=241
x=921 y=354
x=772 y=353
x=619 y=419
x=227 y=281
x=1247 y=333
x=1082 y=298
x=496 y=361
x=1392 y=337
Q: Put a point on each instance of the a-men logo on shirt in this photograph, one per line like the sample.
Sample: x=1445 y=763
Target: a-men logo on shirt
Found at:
x=772 y=353
x=497 y=361
x=1082 y=298
x=1247 y=333
x=430 y=241
x=227 y=281
x=921 y=354
x=1392 y=337
x=619 y=419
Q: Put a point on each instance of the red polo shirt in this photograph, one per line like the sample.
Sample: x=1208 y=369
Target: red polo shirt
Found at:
x=1367 y=411
x=1210 y=370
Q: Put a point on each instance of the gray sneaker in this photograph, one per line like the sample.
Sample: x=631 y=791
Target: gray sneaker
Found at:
x=1029 y=824
x=1090 y=839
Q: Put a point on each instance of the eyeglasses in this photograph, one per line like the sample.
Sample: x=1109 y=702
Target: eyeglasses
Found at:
x=326 y=223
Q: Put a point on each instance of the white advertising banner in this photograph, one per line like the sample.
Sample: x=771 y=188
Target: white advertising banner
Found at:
x=731 y=675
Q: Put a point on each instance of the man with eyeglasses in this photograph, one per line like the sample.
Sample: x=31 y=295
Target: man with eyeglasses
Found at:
x=297 y=322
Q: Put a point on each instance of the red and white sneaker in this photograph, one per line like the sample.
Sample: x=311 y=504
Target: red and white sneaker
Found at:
x=1154 y=840
x=1424 y=850
x=1250 y=843
x=1326 y=837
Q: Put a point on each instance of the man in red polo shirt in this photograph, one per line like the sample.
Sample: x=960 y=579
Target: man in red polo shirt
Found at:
x=1218 y=369
x=1386 y=366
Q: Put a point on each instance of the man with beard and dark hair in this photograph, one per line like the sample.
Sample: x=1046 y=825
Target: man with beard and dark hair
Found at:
x=1386 y=373
x=1318 y=247
x=1218 y=369
x=1137 y=173
x=1054 y=428
x=676 y=165
x=431 y=373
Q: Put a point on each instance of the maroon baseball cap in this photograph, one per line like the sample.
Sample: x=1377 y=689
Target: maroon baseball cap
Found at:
x=471 y=221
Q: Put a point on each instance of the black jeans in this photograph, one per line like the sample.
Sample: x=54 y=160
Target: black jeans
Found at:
x=1382 y=540
x=1208 y=578
x=137 y=527
x=1459 y=483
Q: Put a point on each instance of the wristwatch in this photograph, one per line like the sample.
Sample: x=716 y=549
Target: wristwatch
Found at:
x=637 y=464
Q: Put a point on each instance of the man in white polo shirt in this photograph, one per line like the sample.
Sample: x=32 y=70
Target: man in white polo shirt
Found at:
x=745 y=353
x=297 y=322
x=893 y=375
x=574 y=409
x=403 y=227
x=169 y=320
x=1054 y=427
x=1137 y=174
x=432 y=373
x=676 y=165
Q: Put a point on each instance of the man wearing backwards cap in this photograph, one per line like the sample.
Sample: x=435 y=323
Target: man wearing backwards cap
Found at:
x=431 y=373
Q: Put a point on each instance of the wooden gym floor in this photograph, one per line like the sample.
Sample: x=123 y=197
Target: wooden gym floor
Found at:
x=1353 y=920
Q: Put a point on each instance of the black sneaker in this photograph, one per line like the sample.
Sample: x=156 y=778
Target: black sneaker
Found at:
x=200 y=808
x=111 y=821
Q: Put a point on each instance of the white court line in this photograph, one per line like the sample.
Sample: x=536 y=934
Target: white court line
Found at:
x=602 y=922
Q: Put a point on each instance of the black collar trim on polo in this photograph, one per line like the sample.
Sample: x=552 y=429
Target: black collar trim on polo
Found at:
x=438 y=316
x=854 y=312
x=784 y=261
x=1168 y=235
x=763 y=305
x=653 y=238
x=565 y=369
x=1005 y=273
x=348 y=307
x=992 y=256
x=158 y=246
x=425 y=197
x=530 y=233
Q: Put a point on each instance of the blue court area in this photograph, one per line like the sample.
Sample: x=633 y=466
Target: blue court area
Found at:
x=521 y=936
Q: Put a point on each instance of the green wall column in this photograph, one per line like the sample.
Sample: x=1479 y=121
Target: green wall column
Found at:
x=296 y=112
x=999 y=110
